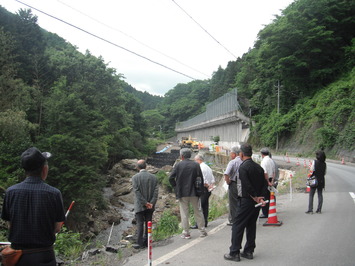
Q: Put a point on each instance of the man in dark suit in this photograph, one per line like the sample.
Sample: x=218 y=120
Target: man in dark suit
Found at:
x=254 y=189
x=183 y=179
x=145 y=187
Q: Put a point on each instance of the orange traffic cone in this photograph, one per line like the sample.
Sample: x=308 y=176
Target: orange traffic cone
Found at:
x=298 y=162
x=272 y=219
x=288 y=159
x=342 y=161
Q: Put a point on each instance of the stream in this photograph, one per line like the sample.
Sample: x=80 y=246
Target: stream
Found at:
x=117 y=231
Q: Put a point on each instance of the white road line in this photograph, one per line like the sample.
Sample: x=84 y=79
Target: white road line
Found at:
x=188 y=245
x=352 y=194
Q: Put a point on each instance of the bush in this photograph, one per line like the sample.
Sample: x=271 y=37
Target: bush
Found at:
x=167 y=226
x=68 y=244
x=163 y=179
x=217 y=208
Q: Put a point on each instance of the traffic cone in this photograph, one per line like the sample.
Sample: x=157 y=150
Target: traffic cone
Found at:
x=288 y=159
x=298 y=163
x=272 y=217
x=304 y=164
x=308 y=189
x=342 y=161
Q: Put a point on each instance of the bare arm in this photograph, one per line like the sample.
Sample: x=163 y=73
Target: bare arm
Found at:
x=57 y=227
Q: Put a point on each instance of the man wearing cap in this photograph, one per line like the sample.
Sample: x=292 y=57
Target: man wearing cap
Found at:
x=269 y=172
x=34 y=211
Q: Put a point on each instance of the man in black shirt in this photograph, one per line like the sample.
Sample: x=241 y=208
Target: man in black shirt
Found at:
x=254 y=189
x=34 y=211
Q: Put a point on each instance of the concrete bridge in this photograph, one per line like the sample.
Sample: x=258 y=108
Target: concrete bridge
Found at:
x=223 y=118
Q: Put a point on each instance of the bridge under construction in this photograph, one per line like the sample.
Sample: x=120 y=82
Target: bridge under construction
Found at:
x=223 y=118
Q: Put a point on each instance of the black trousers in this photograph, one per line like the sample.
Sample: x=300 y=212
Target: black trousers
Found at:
x=246 y=217
x=142 y=226
x=233 y=200
x=45 y=258
x=205 y=204
x=320 y=198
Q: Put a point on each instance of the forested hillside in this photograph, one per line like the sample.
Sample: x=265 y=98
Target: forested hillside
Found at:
x=81 y=110
x=309 y=50
x=71 y=104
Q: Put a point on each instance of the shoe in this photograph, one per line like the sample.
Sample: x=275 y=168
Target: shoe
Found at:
x=230 y=257
x=194 y=226
x=263 y=216
x=185 y=236
x=229 y=224
x=136 y=246
x=319 y=212
x=247 y=255
x=203 y=234
x=309 y=212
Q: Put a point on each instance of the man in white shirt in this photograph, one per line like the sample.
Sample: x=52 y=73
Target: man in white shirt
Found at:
x=269 y=171
x=208 y=186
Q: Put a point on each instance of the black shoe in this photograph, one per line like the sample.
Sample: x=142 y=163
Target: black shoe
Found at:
x=263 y=216
x=136 y=246
x=230 y=224
x=309 y=212
x=320 y=212
x=247 y=255
x=194 y=226
x=230 y=257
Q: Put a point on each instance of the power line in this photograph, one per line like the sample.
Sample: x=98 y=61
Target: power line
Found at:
x=133 y=38
x=105 y=40
x=204 y=29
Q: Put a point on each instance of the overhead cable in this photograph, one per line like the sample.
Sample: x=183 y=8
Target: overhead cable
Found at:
x=204 y=29
x=131 y=37
x=105 y=40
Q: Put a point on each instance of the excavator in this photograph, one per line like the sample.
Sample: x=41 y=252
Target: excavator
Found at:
x=188 y=142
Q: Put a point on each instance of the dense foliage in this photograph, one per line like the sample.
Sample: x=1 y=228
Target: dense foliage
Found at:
x=68 y=103
x=309 y=51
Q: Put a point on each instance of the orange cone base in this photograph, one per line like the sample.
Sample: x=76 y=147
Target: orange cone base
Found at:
x=308 y=189
x=278 y=223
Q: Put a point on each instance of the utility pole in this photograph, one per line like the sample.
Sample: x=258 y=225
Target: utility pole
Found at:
x=278 y=111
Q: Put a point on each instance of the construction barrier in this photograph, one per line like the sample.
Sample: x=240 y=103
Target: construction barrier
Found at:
x=150 y=248
x=272 y=217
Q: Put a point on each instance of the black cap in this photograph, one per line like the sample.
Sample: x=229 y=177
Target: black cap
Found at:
x=33 y=159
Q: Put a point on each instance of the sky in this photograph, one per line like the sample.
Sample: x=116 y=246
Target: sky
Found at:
x=157 y=44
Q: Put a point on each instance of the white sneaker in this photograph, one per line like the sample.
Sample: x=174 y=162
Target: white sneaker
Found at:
x=185 y=236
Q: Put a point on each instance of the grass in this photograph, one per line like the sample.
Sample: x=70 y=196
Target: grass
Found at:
x=69 y=245
x=167 y=226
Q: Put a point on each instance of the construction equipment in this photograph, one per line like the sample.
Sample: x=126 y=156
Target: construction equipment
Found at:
x=189 y=142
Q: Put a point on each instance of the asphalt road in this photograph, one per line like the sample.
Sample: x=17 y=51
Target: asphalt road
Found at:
x=318 y=239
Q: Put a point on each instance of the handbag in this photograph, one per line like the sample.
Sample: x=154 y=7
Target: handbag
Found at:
x=312 y=180
x=198 y=186
x=10 y=256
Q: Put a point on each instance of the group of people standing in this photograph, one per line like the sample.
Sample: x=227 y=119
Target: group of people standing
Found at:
x=34 y=210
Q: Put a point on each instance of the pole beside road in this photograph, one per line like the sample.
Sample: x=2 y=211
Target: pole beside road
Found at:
x=150 y=243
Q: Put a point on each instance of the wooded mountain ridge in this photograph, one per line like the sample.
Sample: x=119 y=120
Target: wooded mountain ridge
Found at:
x=82 y=111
